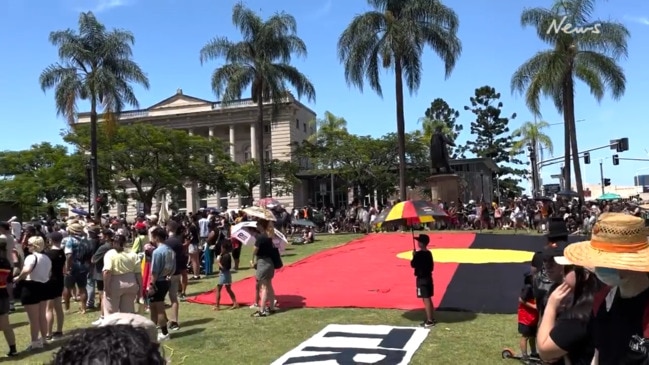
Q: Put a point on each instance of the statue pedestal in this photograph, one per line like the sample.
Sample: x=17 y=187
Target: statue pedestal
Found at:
x=445 y=187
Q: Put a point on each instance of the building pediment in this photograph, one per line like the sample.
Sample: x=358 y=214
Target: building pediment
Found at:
x=179 y=100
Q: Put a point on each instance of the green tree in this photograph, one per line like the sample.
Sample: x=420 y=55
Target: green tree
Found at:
x=591 y=57
x=280 y=178
x=492 y=138
x=261 y=61
x=441 y=114
x=44 y=175
x=150 y=159
x=530 y=135
x=392 y=36
x=96 y=66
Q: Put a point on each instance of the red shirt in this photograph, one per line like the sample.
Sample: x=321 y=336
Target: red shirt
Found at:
x=526 y=315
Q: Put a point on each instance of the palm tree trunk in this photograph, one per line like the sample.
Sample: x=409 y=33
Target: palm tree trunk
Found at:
x=401 y=129
x=259 y=139
x=576 y=161
x=566 y=144
x=94 y=166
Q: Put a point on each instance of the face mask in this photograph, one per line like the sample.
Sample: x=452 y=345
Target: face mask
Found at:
x=610 y=277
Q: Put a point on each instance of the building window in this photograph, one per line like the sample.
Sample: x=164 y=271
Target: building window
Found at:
x=304 y=127
x=297 y=123
x=268 y=154
x=267 y=127
x=247 y=156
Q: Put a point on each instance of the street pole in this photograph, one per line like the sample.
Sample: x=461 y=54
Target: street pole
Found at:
x=89 y=184
x=601 y=174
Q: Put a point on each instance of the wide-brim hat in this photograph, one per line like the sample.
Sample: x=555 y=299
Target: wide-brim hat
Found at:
x=618 y=241
x=75 y=229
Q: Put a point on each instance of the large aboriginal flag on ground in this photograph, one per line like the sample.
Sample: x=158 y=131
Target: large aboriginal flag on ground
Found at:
x=473 y=272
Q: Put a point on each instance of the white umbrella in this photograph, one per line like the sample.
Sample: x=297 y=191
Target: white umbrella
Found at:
x=242 y=233
x=261 y=213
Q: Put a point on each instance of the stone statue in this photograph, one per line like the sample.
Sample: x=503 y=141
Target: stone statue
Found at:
x=439 y=157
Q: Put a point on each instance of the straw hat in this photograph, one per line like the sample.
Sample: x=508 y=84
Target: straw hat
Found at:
x=618 y=241
x=75 y=229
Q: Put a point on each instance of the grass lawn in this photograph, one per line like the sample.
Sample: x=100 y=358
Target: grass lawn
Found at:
x=234 y=337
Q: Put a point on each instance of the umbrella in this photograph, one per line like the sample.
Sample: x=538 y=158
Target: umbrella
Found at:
x=79 y=212
x=409 y=213
x=542 y=199
x=243 y=232
x=610 y=196
x=303 y=223
x=268 y=203
x=261 y=213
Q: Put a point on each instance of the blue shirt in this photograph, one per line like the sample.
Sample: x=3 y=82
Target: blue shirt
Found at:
x=163 y=262
x=72 y=246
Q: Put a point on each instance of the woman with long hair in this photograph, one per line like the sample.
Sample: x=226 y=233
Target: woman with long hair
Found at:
x=563 y=336
x=122 y=278
x=263 y=260
x=55 y=286
x=5 y=280
x=33 y=295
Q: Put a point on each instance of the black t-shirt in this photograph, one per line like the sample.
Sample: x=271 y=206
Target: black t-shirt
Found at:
x=422 y=262
x=537 y=261
x=618 y=332
x=571 y=335
x=265 y=247
x=181 y=257
x=193 y=231
x=226 y=262
x=57 y=256
x=527 y=293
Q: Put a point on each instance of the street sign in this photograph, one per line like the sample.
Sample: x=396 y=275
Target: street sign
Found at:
x=556 y=176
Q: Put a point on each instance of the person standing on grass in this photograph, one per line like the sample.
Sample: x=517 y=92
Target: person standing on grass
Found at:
x=225 y=275
x=422 y=263
x=163 y=266
x=97 y=260
x=55 y=286
x=5 y=282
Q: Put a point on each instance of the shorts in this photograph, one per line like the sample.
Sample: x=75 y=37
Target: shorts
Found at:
x=5 y=306
x=174 y=288
x=527 y=331
x=192 y=249
x=225 y=278
x=100 y=285
x=54 y=289
x=32 y=292
x=425 y=288
x=76 y=278
x=161 y=290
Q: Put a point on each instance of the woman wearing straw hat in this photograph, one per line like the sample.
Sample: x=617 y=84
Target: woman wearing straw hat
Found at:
x=5 y=279
x=34 y=276
x=619 y=253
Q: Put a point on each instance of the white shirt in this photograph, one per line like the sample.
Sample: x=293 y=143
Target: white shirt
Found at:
x=40 y=265
x=203 y=227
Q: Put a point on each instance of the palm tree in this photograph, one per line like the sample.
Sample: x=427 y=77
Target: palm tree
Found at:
x=392 y=36
x=95 y=65
x=330 y=131
x=262 y=61
x=429 y=126
x=531 y=135
x=590 y=56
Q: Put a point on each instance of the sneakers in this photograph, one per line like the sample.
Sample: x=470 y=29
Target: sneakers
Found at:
x=254 y=306
x=162 y=337
x=98 y=322
x=173 y=326
x=428 y=324
x=35 y=345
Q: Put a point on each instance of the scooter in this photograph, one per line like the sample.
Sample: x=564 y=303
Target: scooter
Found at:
x=530 y=360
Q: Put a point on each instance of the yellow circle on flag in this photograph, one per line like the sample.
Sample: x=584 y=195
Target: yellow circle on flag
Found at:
x=475 y=256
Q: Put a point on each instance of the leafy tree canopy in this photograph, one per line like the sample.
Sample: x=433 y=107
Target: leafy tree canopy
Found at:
x=280 y=178
x=441 y=114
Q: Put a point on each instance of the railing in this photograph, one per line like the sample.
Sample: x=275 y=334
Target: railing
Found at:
x=241 y=103
x=134 y=114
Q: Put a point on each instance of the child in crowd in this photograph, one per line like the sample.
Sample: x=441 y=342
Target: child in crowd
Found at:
x=225 y=275
x=528 y=318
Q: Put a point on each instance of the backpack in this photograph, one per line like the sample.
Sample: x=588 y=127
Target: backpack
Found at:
x=600 y=298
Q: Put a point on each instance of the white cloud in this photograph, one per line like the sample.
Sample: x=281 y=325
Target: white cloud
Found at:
x=323 y=10
x=98 y=6
x=635 y=19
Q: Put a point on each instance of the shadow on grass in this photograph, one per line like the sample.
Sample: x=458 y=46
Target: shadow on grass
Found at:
x=442 y=315
x=53 y=346
x=287 y=302
x=189 y=332
x=289 y=254
x=290 y=248
x=197 y=322
x=19 y=324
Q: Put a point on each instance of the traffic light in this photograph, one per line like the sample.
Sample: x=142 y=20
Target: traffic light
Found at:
x=622 y=145
x=587 y=158
x=607 y=182
x=616 y=160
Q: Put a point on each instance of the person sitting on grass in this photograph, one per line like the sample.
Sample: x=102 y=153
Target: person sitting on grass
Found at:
x=528 y=318
x=422 y=262
x=225 y=275
x=308 y=235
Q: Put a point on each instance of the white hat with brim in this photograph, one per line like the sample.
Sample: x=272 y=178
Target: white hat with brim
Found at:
x=618 y=241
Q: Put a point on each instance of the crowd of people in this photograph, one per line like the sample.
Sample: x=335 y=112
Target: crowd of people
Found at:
x=47 y=267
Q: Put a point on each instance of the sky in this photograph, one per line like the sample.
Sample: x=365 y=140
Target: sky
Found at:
x=170 y=33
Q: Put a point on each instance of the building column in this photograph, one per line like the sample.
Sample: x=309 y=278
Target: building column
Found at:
x=191 y=197
x=211 y=136
x=253 y=141
x=232 y=143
